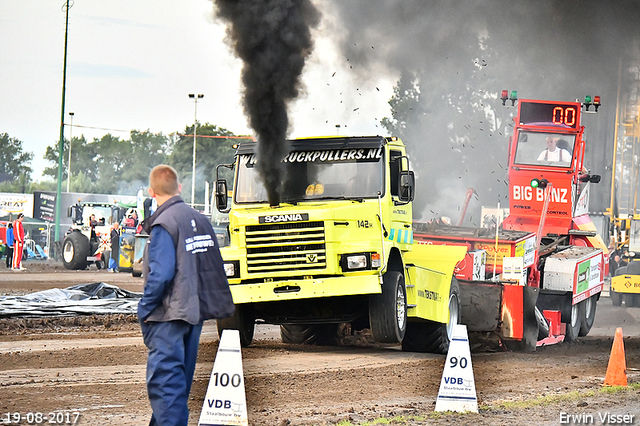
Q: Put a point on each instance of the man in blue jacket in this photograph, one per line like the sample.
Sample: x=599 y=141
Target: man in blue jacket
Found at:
x=185 y=284
x=10 y=240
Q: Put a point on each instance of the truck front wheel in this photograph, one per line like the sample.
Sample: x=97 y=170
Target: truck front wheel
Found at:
x=243 y=320
x=388 y=311
x=75 y=249
x=430 y=336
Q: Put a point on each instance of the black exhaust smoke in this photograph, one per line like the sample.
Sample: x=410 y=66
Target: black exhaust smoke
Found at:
x=273 y=39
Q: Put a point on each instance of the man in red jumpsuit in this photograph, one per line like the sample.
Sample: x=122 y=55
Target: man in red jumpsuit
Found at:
x=18 y=245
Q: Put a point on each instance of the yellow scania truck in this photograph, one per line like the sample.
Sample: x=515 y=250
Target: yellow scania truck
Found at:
x=337 y=248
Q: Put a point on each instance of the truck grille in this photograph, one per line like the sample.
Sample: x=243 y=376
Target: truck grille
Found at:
x=298 y=246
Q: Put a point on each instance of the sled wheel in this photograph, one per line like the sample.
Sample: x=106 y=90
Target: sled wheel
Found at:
x=589 y=309
x=573 y=326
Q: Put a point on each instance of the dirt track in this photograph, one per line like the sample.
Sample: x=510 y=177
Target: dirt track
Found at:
x=95 y=366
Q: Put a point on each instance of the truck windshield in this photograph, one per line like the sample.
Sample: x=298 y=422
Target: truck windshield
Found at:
x=544 y=148
x=321 y=177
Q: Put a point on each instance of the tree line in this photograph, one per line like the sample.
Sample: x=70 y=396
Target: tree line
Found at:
x=113 y=165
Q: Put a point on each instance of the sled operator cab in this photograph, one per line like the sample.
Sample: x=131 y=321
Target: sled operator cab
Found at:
x=546 y=153
x=549 y=189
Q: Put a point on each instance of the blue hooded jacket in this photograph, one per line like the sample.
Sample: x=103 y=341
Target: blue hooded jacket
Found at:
x=10 y=238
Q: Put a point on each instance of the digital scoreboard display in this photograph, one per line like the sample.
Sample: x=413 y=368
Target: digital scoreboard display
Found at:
x=554 y=114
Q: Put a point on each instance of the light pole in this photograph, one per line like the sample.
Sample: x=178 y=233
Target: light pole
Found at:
x=69 y=165
x=65 y=8
x=195 y=133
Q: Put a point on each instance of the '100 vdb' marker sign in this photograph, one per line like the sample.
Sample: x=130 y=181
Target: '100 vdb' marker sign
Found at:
x=225 y=402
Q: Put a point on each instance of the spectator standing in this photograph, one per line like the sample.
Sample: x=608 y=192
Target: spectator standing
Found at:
x=9 y=240
x=115 y=247
x=18 y=245
x=184 y=284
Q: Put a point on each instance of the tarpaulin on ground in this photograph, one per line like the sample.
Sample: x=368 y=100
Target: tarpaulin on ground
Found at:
x=82 y=299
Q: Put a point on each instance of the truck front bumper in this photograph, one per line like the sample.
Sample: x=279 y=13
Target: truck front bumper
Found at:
x=305 y=289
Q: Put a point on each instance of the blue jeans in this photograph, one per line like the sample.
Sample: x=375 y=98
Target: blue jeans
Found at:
x=173 y=349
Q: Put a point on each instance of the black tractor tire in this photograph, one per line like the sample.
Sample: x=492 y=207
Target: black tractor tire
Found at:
x=388 y=311
x=75 y=249
x=628 y=299
x=616 y=298
x=243 y=320
x=433 y=337
x=575 y=323
x=309 y=334
x=589 y=310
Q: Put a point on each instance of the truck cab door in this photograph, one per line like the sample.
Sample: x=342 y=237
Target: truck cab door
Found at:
x=402 y=188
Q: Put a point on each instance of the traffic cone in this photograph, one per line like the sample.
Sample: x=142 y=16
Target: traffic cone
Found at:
x=616 y=370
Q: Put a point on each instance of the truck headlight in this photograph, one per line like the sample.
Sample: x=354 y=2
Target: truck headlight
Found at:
x=232 y=269
x=358 y=261
x=355 y=261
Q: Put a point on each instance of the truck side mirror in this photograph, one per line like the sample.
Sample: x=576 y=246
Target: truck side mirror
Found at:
x=221 y=195
x=407 y=186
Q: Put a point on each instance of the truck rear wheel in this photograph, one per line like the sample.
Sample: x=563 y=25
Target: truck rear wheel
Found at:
x=429 y=336
x=309 y=334
x=243 y=320
x=388 y=311
x=573 y=326
x=75 y=249
x=589 y=309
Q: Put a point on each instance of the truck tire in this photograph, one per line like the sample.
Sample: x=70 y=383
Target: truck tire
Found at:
x=589 y=310
x=573 y=326
x=309 y=334
x=75 y=249
x=243 y=320
x=388 y=311
x=616 y=298
x=433 y=337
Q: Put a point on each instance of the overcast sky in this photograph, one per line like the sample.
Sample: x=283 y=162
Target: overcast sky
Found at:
x=132 y=64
